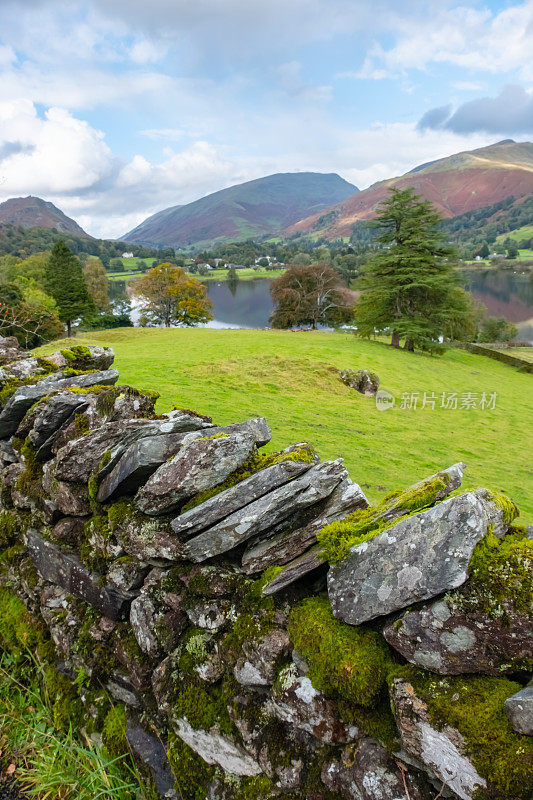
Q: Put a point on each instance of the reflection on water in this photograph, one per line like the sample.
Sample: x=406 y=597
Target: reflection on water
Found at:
x=505 y=293
x=247 y=304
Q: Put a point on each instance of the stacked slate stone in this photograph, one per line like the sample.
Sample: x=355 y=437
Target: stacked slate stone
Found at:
x=243 y=621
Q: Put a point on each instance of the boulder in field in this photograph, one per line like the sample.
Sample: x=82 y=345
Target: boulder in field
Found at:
x=362 y=380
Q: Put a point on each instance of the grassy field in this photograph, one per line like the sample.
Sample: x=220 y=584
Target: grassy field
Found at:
x=291 y=379
x=525 y=232
x=246 y=274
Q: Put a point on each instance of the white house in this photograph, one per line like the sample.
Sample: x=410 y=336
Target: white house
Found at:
x=127 y=255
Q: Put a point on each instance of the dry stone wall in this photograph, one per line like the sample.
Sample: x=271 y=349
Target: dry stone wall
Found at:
x=242 y=621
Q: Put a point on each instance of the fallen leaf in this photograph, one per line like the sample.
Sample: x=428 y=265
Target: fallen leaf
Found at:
x=10 y=770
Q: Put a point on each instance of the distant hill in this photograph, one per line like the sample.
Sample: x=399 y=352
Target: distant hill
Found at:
x=456 y=185
x=31 y=212
x=244 y=211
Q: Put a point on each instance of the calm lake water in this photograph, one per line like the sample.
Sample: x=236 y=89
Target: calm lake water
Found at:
x=247 y=304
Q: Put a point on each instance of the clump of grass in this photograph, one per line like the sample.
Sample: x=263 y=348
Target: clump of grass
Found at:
x=49 y=764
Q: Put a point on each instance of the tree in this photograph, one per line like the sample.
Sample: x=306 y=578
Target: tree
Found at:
x=512 y=249
x=168 y=295
x=28 y=313
x=484 y=251
x=497 y=329
x=310 y=294
x=409 y=287
x=97 y=282
x=63 y=280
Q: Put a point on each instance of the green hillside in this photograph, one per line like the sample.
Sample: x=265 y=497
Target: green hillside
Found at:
x=292 y=380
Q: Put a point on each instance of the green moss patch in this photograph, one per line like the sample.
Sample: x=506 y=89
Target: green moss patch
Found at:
x=350 y=663
x=256 y=463
x=501 y=574
x=505 y=504
x=18 y=630
x=475 y=706
x=192 y=773
x=114 y=732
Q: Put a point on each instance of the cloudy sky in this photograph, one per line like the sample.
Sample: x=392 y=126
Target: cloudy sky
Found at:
x=115 y=109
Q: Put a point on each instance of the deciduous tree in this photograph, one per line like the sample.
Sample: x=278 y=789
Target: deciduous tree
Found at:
x=310 y=294
x=168 y=296
x=97 y=282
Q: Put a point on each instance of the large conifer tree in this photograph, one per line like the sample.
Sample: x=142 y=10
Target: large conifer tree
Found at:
x=410 y=288
x=64 y=281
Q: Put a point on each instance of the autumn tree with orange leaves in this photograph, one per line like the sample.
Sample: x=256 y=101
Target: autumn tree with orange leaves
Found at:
x=168 y=296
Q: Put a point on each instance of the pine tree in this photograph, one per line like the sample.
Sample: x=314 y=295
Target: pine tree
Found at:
x=63 y=280
x=409 y=288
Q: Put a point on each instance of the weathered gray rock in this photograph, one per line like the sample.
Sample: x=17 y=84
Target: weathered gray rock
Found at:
x=150 y=539
x=68 y=530
x=50 y=417
x=257 y=665
x=368 y=772
x=236 y=497
x=10 y=350
x=519 y=710
x=22 y=399
x=288 y=545
x=66 y=571
x=263 y=514
x=127 y=575
x=300 y=705
x=149 y=751
x=295 y=570
x=362 y=380
x=71 y=499
x=155 y=627
x=216 y=748
x=211 y=615
x=452 y=639
x=201 y=463
x=443 y=752
x=81 y=457
x=415 y=559
x=140 y=460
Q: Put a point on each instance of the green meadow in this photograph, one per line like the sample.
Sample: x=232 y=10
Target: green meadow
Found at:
x=292 y=380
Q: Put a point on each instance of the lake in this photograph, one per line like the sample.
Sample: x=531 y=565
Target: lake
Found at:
x=247 y=303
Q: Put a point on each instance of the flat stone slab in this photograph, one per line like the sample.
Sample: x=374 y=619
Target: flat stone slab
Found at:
x=150 y=751
x=24 y=397
x=68 y=572
x=445 y=638
x=140 y=460
x=296 y=570
x=263 y=514
x=201 y=463
x=442 y=753
x=519 y=710
x=77 y=459
x=288 y=545
x=415 y=559
x=236 y=497
x=216 y=748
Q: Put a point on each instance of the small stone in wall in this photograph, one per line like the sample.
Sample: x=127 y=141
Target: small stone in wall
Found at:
x=519 y=710
x=362 y=380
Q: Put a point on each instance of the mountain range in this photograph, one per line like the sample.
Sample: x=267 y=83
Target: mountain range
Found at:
x=311 y=205
x=248 y=210
x=32 y=212
x=455 y=185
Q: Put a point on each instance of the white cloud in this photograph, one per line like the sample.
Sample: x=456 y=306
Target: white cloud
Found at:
x=58 y=154
x=168 y=134
x=293 y=84
x=465 y=37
